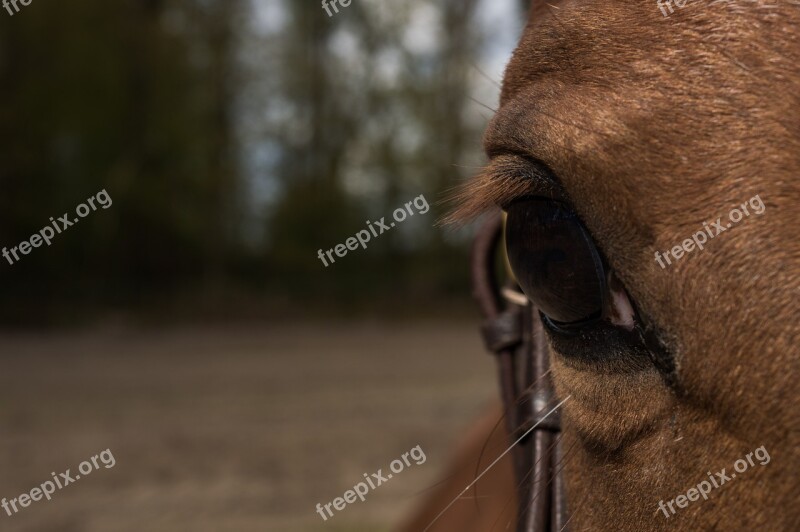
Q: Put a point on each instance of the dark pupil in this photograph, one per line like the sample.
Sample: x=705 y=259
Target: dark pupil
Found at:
x=555 y=260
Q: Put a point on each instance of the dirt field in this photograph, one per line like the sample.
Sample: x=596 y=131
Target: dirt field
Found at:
x=233 y=428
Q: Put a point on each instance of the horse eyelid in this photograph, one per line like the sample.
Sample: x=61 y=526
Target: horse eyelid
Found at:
x=518 y=177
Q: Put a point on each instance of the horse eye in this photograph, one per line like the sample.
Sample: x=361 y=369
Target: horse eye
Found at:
x=555 y=261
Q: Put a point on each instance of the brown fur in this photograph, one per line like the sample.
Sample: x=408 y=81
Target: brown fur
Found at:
x=654 y=125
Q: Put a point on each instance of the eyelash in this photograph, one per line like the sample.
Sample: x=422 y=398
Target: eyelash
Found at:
x=506 y=179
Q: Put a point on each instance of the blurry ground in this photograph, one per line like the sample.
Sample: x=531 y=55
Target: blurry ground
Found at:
x=233 y=428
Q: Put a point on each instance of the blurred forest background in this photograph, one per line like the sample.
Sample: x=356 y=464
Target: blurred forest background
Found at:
x=236 y=138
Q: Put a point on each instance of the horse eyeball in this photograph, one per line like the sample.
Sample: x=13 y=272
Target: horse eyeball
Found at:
x=555 y=261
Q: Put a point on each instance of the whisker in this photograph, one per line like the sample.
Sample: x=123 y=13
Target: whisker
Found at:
x=528 y=474
x=563 y=461
x=542 y=376
x=496 y=461
x=571 y=513
x=510 y=499
x=483 y=104
x=454 y=165
x=434 y=485
x=521 y=482
x=574 y=513
x=517 y=402
x=483 y=450
x=485 y=75
x=554 y=470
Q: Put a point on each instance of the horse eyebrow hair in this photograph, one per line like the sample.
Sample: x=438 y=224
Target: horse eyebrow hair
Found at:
x=505 y=179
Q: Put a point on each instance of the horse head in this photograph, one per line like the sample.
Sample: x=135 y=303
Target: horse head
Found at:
x=648 y=159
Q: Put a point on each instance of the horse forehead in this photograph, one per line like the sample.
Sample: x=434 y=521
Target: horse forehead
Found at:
x=565 y=37
x=574 y=41
x=622 y=68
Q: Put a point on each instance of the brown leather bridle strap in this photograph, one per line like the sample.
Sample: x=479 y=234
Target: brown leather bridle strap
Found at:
x=514 y=333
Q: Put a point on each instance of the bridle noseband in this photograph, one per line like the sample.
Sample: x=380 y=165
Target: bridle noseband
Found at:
x=513 y=331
